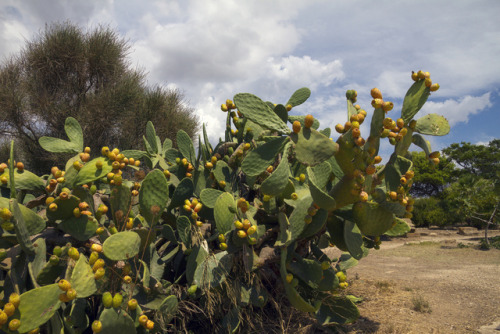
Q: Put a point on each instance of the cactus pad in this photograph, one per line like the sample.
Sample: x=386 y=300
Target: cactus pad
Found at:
x=82 y=278
x=121 y=246
x=38 y=306
x=414 y=100
x=371 y=218
x=90 y=173
x=224 y=212
x=312 y=148
x=116 y=321
x=259 y=159
x=299 y=96
x=432 y=124
x=153 y=196
x=256 y=110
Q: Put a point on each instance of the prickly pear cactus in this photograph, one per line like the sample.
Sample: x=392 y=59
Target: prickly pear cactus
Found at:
x=170 y=239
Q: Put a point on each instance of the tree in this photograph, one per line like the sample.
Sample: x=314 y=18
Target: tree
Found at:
x=478 y=160
x=65 y=71
x=430 y=179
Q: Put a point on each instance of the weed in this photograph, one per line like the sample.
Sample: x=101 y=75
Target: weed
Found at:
x=420 y=304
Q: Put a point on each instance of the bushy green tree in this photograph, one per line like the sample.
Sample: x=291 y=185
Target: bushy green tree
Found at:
x=66 y=71
x=430 y=179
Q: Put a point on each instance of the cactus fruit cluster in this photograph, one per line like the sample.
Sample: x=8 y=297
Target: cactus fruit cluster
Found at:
x=129 y=241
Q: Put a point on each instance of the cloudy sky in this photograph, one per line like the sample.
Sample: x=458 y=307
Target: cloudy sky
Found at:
x=212 y=50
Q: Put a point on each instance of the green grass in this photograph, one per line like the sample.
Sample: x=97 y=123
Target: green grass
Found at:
x=420 y=304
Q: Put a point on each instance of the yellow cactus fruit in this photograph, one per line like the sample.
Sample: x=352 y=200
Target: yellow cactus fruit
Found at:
x=435 y=154
x=63 y=195
x=339 y=128
x=35 y=331
x=434 y=87
x=117 y=300
x=387 y=106
x=238 y=225
x=302 y=177
x=9 y=309
x=356 y=132
x=132 y=304
x=341 y=276
x=143 y=319
x=393 y=195
x=246 y=224
x=289 y=277
x=99 y=263
x=371 y=169
x=357 y=106
x=99 y=273
x=223 y=246
x=343 y=285
x=71 y=294
x=53 y=207
x=266 y=198
x=377 y=103
x=325 y=265
x=296 y=126
x=14 y=299
x=308 y=121
x=222 y=184
x=421 y=75
x=363 y=196
x=3 y=318
x=428 y=82
x=96 y=326
x=377 y=159
x=294 y=196
x=251 y=230
x=150 y=325
x=14 y=324
x=375 y=93
x=241 y=234
x=308 y=219
x=74 y=253
x=64 y=285
x=288 y=107
x=96 y=248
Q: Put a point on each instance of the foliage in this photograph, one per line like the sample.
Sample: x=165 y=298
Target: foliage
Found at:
x=433 y=211
x=431 y=179
x=209 y=241
x=67 y=72
x=478 y=160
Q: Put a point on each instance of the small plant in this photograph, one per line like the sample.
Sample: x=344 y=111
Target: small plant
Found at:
x=420 y=304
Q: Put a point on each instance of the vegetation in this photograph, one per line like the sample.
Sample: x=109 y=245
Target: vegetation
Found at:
x=66 y=72
x=223 y=240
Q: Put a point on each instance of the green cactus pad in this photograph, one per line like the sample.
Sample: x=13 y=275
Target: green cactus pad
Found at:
x=81 y=228
x=116 y=321
x=396 y=167
x=259 y=159
x=222 y=172
x=76 y=316
x=320 y=197
x=22 y=233
x=224 y=212
x=335 y=227
x=82 y=278
x=432 y=124
x=351 y=110
x=24 y=180
x=168 y=309
x=403 y=145
x=34 y=223
x=309 y=271
x=316 y=225
x=280 y=110
x=420 y=141
x=182 y=192
x=186 y=147
x=75 y=135
x=150 y=137
x=37 y=306
x=119 y=199
x=197 y=256
x=38 y=262
x=136 y=154
x=65 y=208
x=276 y=183
x=184 y=230
x=153 y=196
x=329 y=282
x=256 y=110
x=297 y=223
x=301 y=120
x=167 y=144
x=212 y=272
x=312 y=148
x=209 y=196
x=122 y=246
x=90 y=173
x=399 y=228
x=254 y=295
x=337 y=310
x=371 y=218
x=394 y=207
x=353 y=239
x=299 y=96
x=414 y=100
x=293 y=296
x=326 y=132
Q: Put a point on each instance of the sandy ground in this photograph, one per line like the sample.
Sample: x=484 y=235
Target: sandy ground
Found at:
x=456 y=288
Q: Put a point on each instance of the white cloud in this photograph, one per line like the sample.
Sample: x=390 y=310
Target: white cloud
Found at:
x=458 y=110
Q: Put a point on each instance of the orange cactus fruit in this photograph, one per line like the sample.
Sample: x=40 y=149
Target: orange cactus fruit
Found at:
x=376 y=93
x=308 y=121
x=296 y=126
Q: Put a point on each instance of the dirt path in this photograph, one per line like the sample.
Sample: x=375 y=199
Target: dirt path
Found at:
x=455 y=288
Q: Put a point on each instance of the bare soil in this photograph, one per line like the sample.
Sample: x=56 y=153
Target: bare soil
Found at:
x=434 y=281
